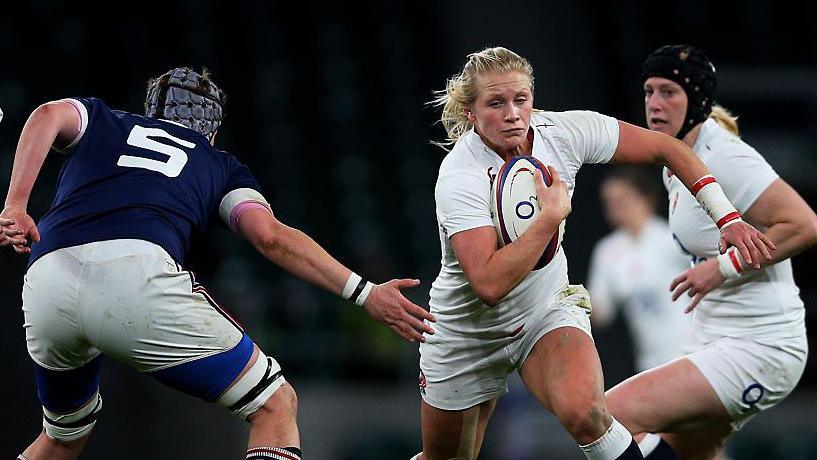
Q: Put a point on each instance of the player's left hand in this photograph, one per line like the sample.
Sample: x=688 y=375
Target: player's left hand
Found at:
x=750 y=242
x=697 y=282
x=17 y=228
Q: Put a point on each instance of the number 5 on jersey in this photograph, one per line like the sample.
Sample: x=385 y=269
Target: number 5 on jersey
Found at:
x=141 y=137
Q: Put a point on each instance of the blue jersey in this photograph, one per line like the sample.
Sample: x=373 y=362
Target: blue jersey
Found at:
x=133 y=177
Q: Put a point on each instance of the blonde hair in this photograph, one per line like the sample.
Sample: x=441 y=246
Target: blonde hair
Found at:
x=461 y=89
x=725 y=118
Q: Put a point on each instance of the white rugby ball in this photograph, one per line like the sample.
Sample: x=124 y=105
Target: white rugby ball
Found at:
x=514 y=204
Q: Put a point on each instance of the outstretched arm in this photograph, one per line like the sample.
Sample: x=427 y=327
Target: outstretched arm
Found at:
x=640 y=146
x=299 y=254
x=54 y=124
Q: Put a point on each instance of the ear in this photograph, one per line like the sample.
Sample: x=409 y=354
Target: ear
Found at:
x=470 y=116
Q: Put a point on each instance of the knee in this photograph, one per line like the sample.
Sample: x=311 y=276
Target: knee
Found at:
x=282 y=403
x=620 y=405
x=585 y=422
x=63 y=428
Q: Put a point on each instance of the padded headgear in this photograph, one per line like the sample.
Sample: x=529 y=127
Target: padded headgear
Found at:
x=689 y=67
x=183 y=96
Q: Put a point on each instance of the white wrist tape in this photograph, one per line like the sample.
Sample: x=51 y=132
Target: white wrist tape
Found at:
x=351 y=284
x=357 y=289
x=711 y=197
x=730 y=265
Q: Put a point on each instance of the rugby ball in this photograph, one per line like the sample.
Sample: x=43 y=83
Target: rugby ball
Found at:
x=514 y=205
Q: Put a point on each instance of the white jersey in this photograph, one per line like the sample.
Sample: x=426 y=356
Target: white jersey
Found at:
x=765 y=302
x=564 y=140
x=635 y=273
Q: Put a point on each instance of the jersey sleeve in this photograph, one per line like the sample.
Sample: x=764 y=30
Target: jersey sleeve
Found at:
x=242 y=194
x=743 y=173
x=83 y=107
x=592 y=136
x=463 y=202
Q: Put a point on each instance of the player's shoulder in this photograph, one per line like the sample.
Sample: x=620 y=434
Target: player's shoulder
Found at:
x=88 y=106
x=460 y=159
x=611 y=243
x=545 y=118
x=720 y=144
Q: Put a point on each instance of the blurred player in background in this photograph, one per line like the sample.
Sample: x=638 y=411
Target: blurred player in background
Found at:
x=495 y=315
x=748 y=343
x=105 y=270
x=632 y=267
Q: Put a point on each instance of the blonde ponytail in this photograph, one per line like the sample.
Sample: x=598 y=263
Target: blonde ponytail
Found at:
x=725 y=118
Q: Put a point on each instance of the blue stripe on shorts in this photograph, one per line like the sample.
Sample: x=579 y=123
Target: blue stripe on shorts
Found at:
x=207 y=378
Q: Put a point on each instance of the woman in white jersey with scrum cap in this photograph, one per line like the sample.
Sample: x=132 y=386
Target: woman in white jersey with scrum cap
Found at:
x=748 y=339
x=494 y=314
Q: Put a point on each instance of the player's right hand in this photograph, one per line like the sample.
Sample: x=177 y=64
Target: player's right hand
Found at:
x=18 y=228
x=554 y=200
x=387 y=305
x=750 y=242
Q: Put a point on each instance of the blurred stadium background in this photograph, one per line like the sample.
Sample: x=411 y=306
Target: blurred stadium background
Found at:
x=326 y=106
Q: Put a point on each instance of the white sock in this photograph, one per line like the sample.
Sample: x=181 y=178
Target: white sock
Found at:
x=610 y=445
x=649 y=443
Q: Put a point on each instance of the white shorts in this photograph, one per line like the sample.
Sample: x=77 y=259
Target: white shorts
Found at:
x=126 y=298
x=749 y=374
x=458 y=372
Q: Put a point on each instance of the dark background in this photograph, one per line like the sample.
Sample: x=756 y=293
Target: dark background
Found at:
x=327 y=106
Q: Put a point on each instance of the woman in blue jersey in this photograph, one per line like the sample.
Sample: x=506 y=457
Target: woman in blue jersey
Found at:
x=105 y=274
x=748 y=343
x=495 y=315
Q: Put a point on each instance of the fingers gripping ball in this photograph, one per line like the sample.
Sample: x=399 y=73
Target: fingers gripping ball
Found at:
x=514 y=204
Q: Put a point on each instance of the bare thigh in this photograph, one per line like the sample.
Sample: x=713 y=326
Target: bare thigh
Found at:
x=674 y=397
x=454 y=434
x=563 y=372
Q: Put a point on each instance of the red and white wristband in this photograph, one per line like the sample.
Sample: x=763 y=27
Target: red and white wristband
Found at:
x=711 y=197
x=357 y=289
x=730 y=264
